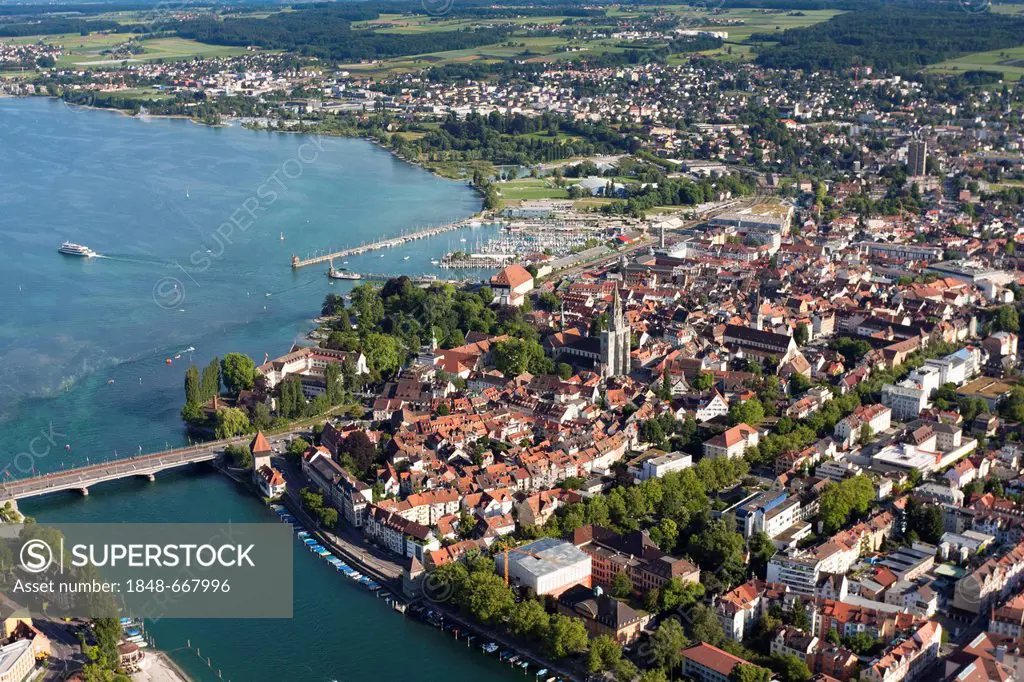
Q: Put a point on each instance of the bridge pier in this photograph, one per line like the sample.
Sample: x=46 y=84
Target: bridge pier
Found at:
x=84 y=491
x=150 y=477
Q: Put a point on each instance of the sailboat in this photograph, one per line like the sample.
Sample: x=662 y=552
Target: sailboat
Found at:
x=282 y=236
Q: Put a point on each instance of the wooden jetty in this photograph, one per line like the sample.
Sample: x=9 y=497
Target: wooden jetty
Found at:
x=388 y=243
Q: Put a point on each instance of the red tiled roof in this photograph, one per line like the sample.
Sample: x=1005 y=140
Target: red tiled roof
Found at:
x=512 y=276
x=712 y=657
x=259 y=444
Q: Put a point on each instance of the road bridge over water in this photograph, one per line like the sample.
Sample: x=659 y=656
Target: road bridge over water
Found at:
x=83 y=477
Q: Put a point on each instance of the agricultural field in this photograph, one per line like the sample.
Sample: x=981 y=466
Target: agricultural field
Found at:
x=543 y=48
x=88 y=51
x=1007 y=9
x=1009 y=61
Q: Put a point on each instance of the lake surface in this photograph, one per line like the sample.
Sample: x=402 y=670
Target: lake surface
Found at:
x=189 y=222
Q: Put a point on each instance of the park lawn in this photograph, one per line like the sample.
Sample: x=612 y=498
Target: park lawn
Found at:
x=560 y=137
x=667 y=209
x=410 y=135
x=530 y=188
x=144 y=94
x=591 y=202
x=17 y=75
x=532 y=193
x=1009 y=61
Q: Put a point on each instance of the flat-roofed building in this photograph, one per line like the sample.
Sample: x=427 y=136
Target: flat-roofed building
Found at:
x=992 y=391
x=660 y=464
x=547 y=566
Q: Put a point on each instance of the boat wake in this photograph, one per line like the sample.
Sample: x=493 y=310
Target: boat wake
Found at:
x=142 y=260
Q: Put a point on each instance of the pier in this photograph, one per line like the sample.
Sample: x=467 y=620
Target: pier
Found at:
x=388 y=243
x=418 y=280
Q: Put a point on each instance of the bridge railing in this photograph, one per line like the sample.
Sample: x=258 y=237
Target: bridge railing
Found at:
x=32 y=482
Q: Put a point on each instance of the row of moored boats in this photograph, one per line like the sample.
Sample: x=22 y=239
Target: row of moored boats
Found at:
x=314 y=546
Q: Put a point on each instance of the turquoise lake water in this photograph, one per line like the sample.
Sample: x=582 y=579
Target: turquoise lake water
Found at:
x=189 y=221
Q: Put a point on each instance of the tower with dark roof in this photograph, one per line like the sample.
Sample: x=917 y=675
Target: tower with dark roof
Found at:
x=615 y=341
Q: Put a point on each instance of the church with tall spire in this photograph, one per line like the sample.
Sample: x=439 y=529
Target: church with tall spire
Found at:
x=615 y=341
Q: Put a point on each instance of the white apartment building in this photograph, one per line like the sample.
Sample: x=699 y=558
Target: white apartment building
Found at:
x=906 y=399
x=656 y=467
x=799 y=573
x=837 y=470
x=957 y=368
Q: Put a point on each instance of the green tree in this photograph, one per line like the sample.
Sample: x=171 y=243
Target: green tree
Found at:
x=799 y=617
x=762 y=549
x=665 y=390
x=548 y=301
x=801 y=334
x=335 y=387
x=622 y=585
x=368 y=306
x=292 y=402
x=298 y=446
x=667 y=644
x=865 y=433
x=790 y=668
x=852 y=350
x=238 y=372
x=231 y=421
x=665 y=534
x=1007 y=319
x=841 y=501
x=925 y=520
x=704 y=381
x=241 y=456
x=747 y=412
x=516 y=356
x=861 y=643
x=653 y=675
x=210 y=380
x=705 y=626
x=675 y=594
x=528 y=619
x=563 y=370
x=193 y=386
x=605 y=654
x=487 y=597
x=383 y=354
x=716 y=544
x=328 y=517
x=748 y=672
x=565 y=636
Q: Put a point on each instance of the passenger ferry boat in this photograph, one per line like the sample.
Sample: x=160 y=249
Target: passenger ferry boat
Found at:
x=70 y=249
x=342 y=274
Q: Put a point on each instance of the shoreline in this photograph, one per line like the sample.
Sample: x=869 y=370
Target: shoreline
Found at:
x=158 y=666
x=124 y=112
